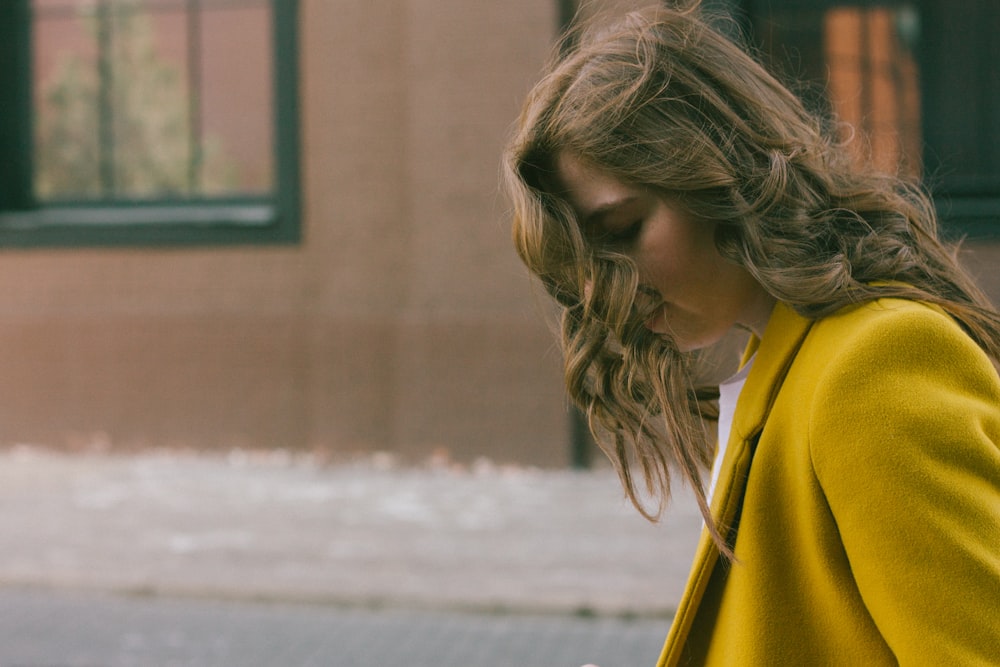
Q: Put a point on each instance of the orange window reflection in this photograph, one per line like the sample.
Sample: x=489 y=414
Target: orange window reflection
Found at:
x=874 y=83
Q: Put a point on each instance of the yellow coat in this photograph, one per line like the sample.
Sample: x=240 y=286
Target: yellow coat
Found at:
x=863 y=471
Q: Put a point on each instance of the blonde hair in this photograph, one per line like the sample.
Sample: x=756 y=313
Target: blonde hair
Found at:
x=660 y=99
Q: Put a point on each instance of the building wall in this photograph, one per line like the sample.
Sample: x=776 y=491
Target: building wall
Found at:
x=402 y=321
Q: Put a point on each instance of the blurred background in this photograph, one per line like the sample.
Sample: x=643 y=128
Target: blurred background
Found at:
x=244 y=240
x=276 y=223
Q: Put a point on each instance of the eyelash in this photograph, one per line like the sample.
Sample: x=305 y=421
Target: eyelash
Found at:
x=627 y=234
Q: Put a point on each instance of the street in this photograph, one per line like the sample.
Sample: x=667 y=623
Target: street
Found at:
x=248 y=559
x=45 y=628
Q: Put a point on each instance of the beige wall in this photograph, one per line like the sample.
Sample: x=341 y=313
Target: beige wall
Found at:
x=402 y=321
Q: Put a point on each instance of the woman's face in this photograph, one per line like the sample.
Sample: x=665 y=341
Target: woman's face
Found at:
x=700 y=295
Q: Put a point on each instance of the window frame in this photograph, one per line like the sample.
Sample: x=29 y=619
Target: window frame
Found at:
x=26 y=223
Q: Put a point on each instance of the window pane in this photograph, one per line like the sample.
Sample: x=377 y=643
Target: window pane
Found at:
x=866 y=58
x=874 y=86
x=236 y=49
x=152 y=99
x=962 y=95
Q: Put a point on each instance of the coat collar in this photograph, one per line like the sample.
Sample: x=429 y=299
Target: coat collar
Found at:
x=773 y=353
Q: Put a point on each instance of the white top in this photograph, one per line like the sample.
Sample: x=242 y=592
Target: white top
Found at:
x=729 y=393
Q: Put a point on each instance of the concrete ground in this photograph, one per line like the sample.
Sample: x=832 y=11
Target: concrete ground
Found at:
x=477 y=542
x=58 y=628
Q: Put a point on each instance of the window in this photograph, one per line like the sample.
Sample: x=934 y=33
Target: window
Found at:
x=915 y=78
x=148 y=122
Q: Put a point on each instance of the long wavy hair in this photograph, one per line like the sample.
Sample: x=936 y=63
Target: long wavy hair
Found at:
x=660 y=99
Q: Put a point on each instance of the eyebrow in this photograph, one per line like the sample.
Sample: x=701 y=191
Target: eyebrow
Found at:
x=593 y=217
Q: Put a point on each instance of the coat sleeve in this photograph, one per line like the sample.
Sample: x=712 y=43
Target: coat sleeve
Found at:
x=904 y=441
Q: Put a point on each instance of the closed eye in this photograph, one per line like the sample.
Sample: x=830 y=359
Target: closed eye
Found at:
x=622 y=235
x=617 y=222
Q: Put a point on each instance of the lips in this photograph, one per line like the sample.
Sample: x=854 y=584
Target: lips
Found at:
x=650 y=303
x=657 y=322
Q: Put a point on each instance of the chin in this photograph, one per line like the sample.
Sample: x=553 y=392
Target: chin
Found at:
x=685 y=347
x=695 y=343
x=700 y=334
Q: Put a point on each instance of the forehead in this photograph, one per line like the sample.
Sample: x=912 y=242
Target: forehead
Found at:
x=588 y=188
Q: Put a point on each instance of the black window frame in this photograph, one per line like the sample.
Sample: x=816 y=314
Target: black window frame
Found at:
x=27 y=223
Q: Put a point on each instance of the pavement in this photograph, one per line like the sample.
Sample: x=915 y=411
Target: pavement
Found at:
x=263 y=530
x=52 y=628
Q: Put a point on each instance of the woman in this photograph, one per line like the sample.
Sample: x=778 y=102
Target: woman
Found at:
x=667 y=190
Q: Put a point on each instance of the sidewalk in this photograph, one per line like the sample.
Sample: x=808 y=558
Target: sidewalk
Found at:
x=276 y=527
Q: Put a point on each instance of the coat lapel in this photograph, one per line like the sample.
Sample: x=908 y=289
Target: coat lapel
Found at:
x=774 y=354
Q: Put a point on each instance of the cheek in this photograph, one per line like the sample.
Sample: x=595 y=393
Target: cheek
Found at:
x=679 y=260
